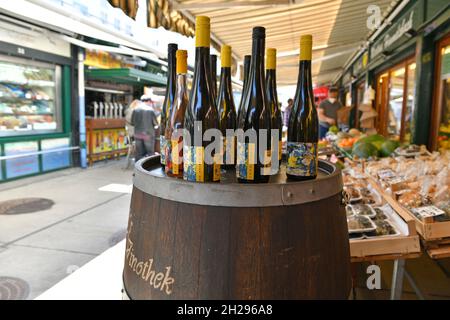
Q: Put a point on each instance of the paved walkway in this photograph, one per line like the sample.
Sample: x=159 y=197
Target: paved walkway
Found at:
x=89 y=216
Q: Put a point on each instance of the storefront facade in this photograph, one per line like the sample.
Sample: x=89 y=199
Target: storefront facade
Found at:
x=35 y=102
x=400 y=64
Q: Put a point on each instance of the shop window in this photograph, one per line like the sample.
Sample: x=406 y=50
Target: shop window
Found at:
x=360 y=89
x=395 y=101
x=440 y=131
x=409 y=105
x=395 y=104
x=29 y=97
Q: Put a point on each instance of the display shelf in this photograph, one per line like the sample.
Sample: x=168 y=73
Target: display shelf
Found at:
x=13 y=99
x=443 y=133
x=26 y=114
x=31 y=83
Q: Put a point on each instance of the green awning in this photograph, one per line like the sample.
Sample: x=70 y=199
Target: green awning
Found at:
x=127 y=76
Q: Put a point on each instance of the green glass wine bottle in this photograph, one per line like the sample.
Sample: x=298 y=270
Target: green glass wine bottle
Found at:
x=168 y=99
x=272 y=100
x=303 y=129
x=202 y=111
x=227 y=110
x=254 y=155
x=247 y=60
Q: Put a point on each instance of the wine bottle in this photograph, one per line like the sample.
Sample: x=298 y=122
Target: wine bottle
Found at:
x=272 y=100
x=247 y=59
x=227 y=110
x=202 y=110
x=213 y=64
x=168 y=99
x=303 y=129
x=254 y=155
x=175 y=123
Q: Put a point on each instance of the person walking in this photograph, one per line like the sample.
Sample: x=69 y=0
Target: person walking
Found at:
x=287 y=113
x=144 y=121
x=128 y=114
x=328 y=112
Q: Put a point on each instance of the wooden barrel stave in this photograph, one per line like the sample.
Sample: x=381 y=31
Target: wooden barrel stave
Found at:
x=238 y=253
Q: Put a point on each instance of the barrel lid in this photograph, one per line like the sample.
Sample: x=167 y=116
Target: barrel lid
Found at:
x=150 y=178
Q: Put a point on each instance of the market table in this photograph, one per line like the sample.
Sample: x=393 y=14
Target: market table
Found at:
x=397 y=249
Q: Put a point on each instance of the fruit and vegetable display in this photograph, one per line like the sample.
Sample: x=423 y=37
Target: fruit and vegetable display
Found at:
x=358 y=145
x=444 y=136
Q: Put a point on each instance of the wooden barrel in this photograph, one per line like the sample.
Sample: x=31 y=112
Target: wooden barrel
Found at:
x=281 y=240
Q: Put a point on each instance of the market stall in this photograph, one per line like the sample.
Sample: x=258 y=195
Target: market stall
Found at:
x=406 y=184
x=111 y=85
x=35 y=102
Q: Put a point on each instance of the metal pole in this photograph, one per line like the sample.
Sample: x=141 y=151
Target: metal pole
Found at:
x=414 y=286
x=81 y=109
x=397 y=279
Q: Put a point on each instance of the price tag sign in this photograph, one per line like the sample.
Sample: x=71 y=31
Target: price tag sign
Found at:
x=428 y=211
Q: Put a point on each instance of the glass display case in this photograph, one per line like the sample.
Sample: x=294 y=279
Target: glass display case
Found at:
x=30 y=94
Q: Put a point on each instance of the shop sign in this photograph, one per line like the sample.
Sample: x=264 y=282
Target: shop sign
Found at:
x=361 y=64
x=24 y=165
x=57 y=159
x=396 y=33
x=100 y=59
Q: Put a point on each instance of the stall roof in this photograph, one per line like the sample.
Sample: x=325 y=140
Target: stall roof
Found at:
x=126 y=75
x=339 y=28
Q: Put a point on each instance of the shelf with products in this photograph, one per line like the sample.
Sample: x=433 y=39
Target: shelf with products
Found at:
x=30 y=95
x=25 y=100
x=19 y=114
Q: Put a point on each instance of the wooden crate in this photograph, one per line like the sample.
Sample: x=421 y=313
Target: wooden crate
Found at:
x=407 y=246
x=438 y=249
x=429 y=229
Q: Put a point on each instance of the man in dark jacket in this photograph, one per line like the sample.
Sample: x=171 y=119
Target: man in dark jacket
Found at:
x=328 y=111
x=144 y=122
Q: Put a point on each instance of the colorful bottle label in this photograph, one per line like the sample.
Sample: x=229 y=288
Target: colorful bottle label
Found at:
x=195 y=168
x=267 y=164
x=174 y=156
x=302 y=159
x=245 y=168
x=217 y=167
x=229 y=150
x=280 y=150
x=167 y=156
x=162 y=146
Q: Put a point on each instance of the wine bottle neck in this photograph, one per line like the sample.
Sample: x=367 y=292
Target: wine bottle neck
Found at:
x=304 y=75
x=225 y=76
x=271 y=75
x=257 y=62
x=181 y=83
x=172 y=74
